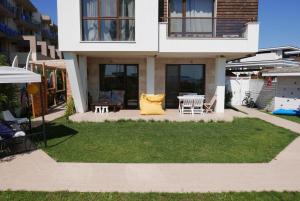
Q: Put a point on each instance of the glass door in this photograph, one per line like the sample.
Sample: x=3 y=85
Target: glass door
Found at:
x=122 y=81
x=183 y=79
x=132 y=86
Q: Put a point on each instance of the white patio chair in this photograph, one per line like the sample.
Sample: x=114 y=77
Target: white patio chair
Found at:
x=7 y=116
x=187 y=106
x=198 y=105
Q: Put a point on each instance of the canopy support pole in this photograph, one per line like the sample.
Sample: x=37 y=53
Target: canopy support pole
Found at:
x=43 y=113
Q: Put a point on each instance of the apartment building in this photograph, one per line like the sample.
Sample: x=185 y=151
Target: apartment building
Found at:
x=158 y=46
x=19 y=18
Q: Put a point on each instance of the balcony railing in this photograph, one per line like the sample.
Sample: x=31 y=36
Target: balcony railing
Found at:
x=10 y=33
x=204 y=27
x=49 y=34
x=25 y=17
x=6 y=4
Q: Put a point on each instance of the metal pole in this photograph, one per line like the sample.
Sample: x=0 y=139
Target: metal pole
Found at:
x=28 y=110
x=43 y=112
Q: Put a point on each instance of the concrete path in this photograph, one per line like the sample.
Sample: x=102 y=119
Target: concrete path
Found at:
x=293 y=126
x=38 y=172
x=54 y=114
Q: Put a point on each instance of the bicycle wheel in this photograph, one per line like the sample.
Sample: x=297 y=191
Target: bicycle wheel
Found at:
x=252 y=104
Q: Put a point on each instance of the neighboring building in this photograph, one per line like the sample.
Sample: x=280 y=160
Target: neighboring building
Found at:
x=263 y=75
x=142 y=46
x=19 y=18
x=287 y=92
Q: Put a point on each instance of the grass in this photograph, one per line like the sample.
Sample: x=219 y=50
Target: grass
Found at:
x=65 y=196
x=287 y=117
x=291 y=118
x=244 y=140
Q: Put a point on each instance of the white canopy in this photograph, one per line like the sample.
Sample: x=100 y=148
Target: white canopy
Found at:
x=17 y=75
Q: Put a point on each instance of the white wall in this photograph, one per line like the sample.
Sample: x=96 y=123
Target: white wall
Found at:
x=287 y=93
x=239 y=87
x=146 y=27
x=77 y=71
x=220 y=84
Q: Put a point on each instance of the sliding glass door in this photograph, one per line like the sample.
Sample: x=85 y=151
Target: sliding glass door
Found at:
x=121 y=79
x=183 y=79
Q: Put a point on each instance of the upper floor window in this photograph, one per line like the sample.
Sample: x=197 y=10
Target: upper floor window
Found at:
x=191 y=17
x=108 y=20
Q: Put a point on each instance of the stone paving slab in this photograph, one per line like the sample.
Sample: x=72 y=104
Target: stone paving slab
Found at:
x=38 y=172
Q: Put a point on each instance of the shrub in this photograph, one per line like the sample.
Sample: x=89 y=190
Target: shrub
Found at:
x=70 y=110
x=8 y=92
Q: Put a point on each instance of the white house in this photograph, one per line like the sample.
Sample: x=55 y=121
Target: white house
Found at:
x=162 y=46
x=267 y=75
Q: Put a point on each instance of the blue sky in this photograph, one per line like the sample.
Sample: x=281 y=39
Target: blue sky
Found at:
x=279 y=20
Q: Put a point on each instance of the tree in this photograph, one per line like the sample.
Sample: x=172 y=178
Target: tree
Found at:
x=8 y=92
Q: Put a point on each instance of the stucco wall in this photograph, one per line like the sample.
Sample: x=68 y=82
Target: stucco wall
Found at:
x=146 y=29
x=160 y=67
x=94 y=73
x=287 y=93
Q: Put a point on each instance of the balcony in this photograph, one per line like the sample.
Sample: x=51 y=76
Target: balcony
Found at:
x=25 y=20
x=7 y=32
x=47 y=34
x=7 y=9
x=209 y=36
x=205 y=27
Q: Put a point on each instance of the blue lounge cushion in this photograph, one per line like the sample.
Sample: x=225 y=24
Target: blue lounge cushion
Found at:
x=5 y=131
x=287 y=112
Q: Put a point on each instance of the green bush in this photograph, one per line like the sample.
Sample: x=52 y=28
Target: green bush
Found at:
x=8 y=92
x=3 y=60
x=70 y=108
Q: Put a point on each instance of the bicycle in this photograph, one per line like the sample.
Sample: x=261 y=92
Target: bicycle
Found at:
x=248 y=100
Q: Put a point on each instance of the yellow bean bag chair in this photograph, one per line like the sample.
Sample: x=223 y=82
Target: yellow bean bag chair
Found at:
x=151 y=104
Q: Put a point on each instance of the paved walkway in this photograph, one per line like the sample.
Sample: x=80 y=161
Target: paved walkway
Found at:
x=38 y=172
x=55 y=113
x=170 y=115
x=293 y=126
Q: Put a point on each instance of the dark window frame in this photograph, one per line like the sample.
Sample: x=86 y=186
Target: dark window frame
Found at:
x=179 y=85
x=125 y=82
x=118 y=18
x=183 y=18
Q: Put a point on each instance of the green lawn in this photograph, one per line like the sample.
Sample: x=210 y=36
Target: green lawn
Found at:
x=64 y=196
x=244 y=140
x=291 y=118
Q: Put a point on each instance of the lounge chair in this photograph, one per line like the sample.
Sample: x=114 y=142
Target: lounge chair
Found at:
x=12 y=139
x=208 y=106
x=9 y=130
x=7 y=116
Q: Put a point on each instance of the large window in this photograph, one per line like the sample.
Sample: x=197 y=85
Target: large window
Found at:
x=183 y=79
x=121 y=79
x=108 y=20
x=191 y=17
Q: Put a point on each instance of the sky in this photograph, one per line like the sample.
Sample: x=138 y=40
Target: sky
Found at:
x=279 y=20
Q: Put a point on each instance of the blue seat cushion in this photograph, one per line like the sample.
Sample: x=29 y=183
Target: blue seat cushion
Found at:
x=5 y=131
